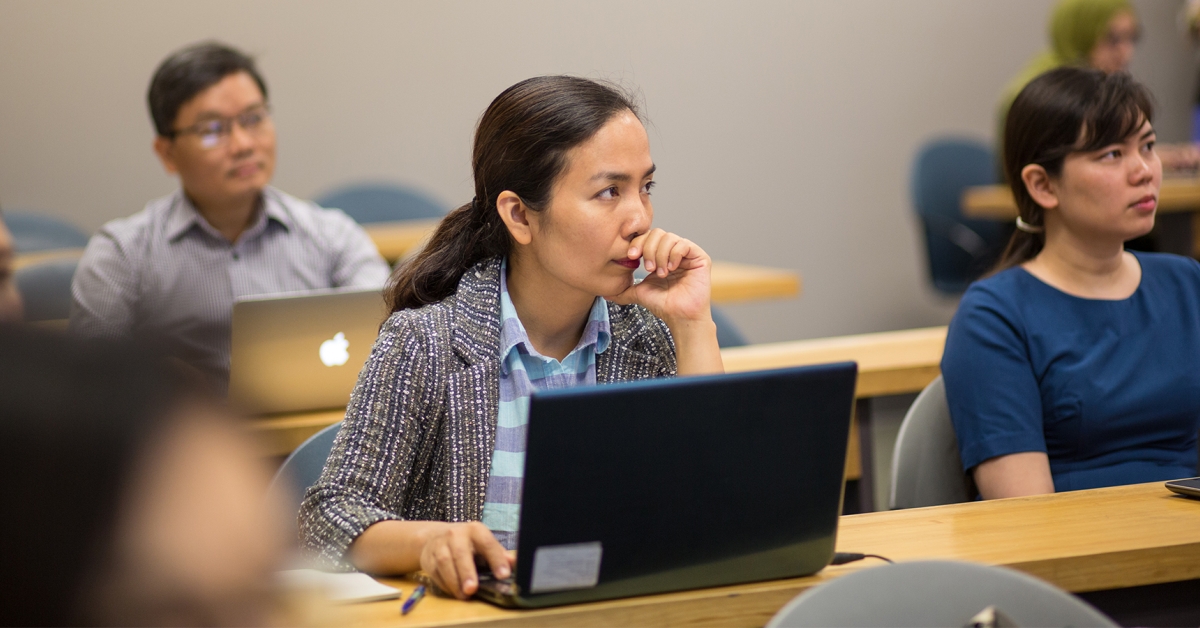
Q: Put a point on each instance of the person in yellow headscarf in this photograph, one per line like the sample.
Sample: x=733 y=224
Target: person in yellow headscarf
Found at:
x=1092 y=33
x=1099 y=34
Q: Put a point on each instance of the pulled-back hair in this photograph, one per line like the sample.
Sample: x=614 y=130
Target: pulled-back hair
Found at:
x=521 y=146
x=1064 y=111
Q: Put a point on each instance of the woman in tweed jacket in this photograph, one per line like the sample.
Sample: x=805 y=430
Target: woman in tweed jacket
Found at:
x=560 y=220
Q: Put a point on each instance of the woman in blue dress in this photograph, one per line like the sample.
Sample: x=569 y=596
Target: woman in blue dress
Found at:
x=1077 y=364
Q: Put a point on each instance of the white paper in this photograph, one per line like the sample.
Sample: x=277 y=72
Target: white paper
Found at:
x=339 y=587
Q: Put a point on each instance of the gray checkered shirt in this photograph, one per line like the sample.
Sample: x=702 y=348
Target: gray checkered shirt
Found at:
x=165 y=273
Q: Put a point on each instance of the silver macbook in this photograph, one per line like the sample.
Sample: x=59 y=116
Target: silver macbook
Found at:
x=293 y=352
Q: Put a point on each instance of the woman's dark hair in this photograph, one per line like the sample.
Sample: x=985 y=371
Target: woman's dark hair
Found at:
x=189 y=72
x=1064 y=111
x=521 y=145
x=76 y=416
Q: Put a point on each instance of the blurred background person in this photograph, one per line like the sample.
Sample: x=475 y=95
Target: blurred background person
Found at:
x=1099 y=34
x=129 y=498
x=175 y=269
x=10 y=299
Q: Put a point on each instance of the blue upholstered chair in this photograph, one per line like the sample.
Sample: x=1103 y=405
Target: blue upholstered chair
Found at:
x=303 y=467
x=960 y=250
x=381 y=202
x=45 y=288
x=728 y=335
x=36 y=232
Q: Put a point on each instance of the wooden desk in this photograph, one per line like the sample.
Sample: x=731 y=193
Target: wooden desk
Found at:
x=731 y=282
x=889 y=363
x=396 y=239
x=21 y=260
x=1082 y=541
x=996 y=201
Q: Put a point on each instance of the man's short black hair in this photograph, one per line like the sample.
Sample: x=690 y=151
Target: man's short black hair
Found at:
x=189 y=72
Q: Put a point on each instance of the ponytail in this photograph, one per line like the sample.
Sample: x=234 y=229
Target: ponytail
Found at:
x=465 y=237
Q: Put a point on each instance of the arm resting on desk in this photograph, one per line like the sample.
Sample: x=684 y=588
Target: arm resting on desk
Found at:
x=446 y=551
x=1014 y=475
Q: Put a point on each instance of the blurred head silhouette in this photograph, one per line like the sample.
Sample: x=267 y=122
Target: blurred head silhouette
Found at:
x=130 y=497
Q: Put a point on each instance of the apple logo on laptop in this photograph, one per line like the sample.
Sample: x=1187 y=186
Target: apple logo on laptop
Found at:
x=333 y=351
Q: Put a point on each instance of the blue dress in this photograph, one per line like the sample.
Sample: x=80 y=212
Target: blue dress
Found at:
x=1109 y=390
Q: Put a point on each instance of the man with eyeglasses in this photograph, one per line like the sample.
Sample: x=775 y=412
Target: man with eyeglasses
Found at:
x=173 y=270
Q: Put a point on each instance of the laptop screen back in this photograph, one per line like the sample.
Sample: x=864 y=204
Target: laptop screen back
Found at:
x=684 y=483
x=297 y=352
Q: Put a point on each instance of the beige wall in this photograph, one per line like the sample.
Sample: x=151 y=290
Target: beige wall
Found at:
x=783 y=130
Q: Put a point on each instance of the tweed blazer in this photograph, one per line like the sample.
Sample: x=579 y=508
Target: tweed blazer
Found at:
x=420 y=428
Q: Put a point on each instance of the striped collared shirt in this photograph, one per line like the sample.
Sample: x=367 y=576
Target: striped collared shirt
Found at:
x=164 y=272
x=523 y=370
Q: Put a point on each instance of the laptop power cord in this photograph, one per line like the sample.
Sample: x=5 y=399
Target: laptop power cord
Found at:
x=841 y=558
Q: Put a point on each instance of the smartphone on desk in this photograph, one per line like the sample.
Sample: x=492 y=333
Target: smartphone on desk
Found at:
x=1189 y=487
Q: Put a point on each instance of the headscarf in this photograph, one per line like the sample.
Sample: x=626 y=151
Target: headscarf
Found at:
x=1076 y=26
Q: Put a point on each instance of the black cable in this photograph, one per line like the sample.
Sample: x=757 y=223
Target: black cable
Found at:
x=841 y=558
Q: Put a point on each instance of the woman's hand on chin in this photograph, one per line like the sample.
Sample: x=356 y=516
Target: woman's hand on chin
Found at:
x=678 y=288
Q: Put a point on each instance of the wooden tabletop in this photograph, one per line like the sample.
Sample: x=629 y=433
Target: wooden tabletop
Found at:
x=396 y=239
x=21 y=260
x=889 y=363
x=1081 y=541
x=731 y=282
x=996 y=201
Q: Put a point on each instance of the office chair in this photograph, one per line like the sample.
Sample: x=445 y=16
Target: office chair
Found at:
x=960 y=250
x=381 y=202
x=303 y=467
x=926 y=467
x=37 y=232
x=728 y=335
x=45 y=288
x=935 y=593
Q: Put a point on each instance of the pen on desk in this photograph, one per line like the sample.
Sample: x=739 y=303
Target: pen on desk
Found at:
x=412 y=600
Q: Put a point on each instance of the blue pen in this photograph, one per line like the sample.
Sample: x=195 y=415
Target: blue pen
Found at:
x=412 y=600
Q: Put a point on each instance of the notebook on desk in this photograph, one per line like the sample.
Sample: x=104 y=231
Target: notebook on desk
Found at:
x=294 y=352
x=670 y=484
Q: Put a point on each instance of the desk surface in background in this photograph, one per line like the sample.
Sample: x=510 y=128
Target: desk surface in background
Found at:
x=731 y=282
x=996 y=201
x=1081 y=541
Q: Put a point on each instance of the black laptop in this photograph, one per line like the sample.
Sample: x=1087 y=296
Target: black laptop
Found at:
x=670 y=484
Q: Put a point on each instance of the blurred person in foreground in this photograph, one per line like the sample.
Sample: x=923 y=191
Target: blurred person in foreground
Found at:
x=11 y=309
x=175 y=269
x=1097 y=34
x=130 y=499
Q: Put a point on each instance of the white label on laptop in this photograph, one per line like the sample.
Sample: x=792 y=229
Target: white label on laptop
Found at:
x=565 y=567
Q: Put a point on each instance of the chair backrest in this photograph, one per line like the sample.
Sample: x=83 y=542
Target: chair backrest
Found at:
x=728 y=335
x=45 y=288
x=960 y=250
x=303 y=467
x=37 y=232
x=381 y=202
x=935 y=593
x=926 y=467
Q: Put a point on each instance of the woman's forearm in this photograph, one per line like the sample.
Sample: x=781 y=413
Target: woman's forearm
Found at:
x=1014 y=475
x=696 y=349
x=392 y=547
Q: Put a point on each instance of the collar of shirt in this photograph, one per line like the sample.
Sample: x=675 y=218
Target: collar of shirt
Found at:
x=185 y=217
x=513 y=337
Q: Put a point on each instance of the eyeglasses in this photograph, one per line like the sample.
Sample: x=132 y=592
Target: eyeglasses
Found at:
x=214 y=132
x=1116 y=38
